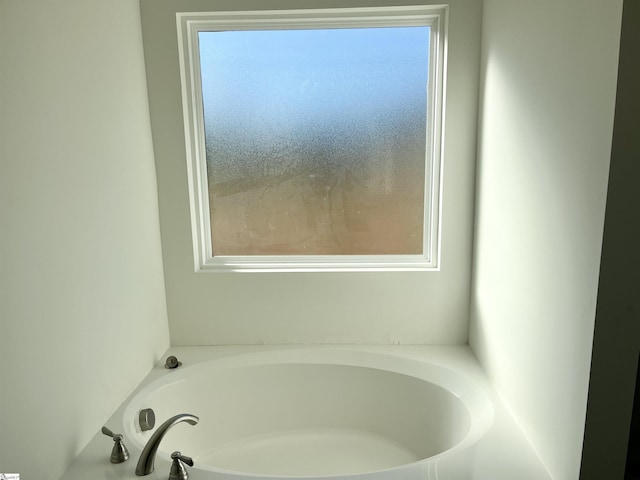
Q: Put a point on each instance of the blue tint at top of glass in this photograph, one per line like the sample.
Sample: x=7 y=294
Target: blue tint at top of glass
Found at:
x=331 y=71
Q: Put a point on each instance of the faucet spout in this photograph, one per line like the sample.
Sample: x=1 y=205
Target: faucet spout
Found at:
x=148 y=455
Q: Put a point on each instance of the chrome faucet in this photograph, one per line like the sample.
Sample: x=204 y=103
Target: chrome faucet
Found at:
x=148 y=455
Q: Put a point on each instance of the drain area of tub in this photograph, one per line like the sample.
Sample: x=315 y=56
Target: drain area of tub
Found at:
x=310 y=452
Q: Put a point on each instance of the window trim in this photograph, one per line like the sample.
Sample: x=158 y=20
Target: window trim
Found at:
x=189 y=24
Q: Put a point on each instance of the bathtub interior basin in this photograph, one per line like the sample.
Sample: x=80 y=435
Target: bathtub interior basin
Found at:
x=289 y=414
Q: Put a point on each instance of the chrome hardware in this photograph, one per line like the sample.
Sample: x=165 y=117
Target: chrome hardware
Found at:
x=172 y=362
x=148 y=455
x=119 y=453
x=147 y=419
x=178 y=470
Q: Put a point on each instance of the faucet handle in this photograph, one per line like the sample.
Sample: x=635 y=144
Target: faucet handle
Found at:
x=182 y=458
x=108 y=432
x=178 y=470
x=119 y=453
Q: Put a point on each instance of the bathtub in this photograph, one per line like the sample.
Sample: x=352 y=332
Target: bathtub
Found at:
x=320 y=413
x=315 y=414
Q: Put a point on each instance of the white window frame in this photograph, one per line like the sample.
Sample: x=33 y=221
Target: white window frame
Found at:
x=190 y=24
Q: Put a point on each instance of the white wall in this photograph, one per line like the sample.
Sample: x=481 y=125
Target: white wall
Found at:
x=415 y=307
x=548 y=90
x=82 y=308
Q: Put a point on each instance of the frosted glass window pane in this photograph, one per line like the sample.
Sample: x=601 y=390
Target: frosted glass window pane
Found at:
x=315 y=140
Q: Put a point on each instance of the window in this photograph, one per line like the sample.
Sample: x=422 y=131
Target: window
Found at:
x=313 y=137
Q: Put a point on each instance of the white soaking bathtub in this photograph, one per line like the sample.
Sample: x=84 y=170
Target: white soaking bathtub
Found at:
x=343 y=412
x=314 y=414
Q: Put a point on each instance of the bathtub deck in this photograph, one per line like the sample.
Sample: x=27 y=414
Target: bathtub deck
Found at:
x=503 y=454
